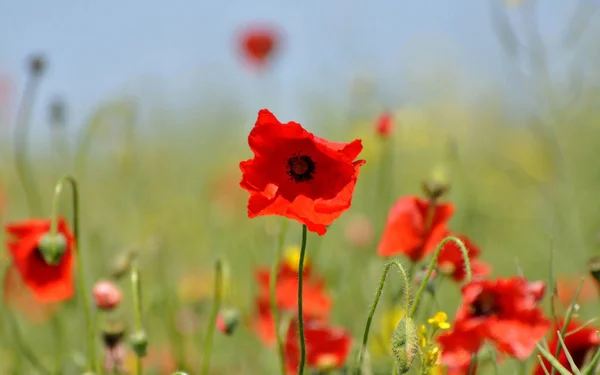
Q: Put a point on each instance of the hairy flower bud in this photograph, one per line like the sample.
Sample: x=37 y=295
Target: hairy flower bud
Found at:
x=405 y=343
x=52 y=247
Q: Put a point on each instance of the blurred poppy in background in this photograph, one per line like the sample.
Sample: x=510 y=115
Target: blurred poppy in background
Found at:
x=259 y=44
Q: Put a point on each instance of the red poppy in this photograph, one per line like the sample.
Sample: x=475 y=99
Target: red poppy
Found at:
x=316 y=302
x=258 y=44
x=505 y=312
x=582 y=343
x=298 y=175
x=457 y=347
x=451 y=262
x=566 y=287
x=49 y=283
x=327 y=348
x=414 y=228
x=20 y=298
x=384 y=124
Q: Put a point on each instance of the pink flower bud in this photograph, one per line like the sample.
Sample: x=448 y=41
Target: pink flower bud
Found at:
x=107 y=295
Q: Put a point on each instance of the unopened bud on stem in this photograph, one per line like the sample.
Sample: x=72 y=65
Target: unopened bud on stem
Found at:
x=405 y=343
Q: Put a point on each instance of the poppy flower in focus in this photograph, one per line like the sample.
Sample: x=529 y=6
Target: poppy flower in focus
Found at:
x=566 y=287
x=383 y=125
x=582 y=343
x=504 y=311
x=414 y=228
x=298 y=175
x=327 y=348
x=258 y=45
x=451 y=262
x=20 y=298
x=48 y=282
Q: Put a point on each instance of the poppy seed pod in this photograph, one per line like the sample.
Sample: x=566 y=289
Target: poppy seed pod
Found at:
x=52 y=247
x=405 y=343
x=139 y=343
x=437 y=184
x=37 y=65
x=228 y=320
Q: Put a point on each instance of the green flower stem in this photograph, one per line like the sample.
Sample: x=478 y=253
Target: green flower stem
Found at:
x=59 y=336
x=592 y=366
x=81 y=275
x=568 y=317
x=136 y=286
x=406 y=285
x=556 y=366
x=218 y=295
x=300 y=312
x=273 y=296
x=21 y=136
x=432 y=264
x=167 y=290
x=568 y=355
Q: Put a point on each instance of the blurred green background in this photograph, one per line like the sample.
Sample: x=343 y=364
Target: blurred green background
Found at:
x=163 y=179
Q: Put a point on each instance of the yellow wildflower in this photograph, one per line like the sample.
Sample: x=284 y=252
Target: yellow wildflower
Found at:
x=292 y=257
x=423 y=336
x=432 y=357
x=439 y=320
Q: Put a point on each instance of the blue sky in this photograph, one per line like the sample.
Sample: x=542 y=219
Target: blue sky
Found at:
x=99 y=49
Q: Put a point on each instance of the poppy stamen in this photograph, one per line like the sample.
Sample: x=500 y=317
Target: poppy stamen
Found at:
x=484 y=305
x=300 y=168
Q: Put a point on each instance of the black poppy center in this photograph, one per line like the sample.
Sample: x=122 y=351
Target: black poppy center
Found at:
x=300 y=168
x=484 y=305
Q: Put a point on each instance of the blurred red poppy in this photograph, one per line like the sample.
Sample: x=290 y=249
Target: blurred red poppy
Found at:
x=258 y=45
x=48 y=282
x=298 y=175
x=316 y=302
x=451 y=262
x=383 y=125
x=327 y=348
x=20 y=298
x=504 y=311
x=457 y=347
x=566 y=287
x=414 y=228
x=581 y=342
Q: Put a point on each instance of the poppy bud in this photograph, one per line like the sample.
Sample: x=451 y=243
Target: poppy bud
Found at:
x=437 y=185
x=228 y=320
x=405 y=343
x=139 y=343
x=112 y=333
x=37 y=65
x=107 y=295
x=384 y=125
x=52 y=247
x=594 y=268
x=121 y=265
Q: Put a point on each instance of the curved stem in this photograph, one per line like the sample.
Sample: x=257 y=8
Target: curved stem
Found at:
x=137 y=310
x=85 y=296
x=300 y=309
x=213 y=317
x=21 y=135
x=405 y=279
x=273 y=296
x=432 y=264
